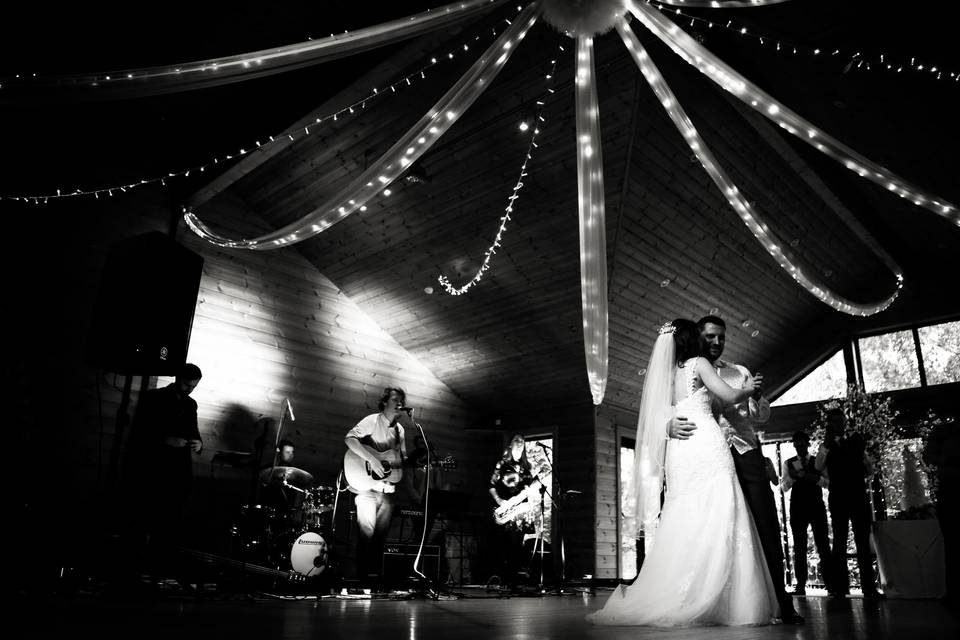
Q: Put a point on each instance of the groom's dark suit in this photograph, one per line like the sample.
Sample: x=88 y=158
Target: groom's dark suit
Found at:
x=738 y=423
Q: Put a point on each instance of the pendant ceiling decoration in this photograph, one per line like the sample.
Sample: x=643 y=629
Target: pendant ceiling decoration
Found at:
x=583 y=20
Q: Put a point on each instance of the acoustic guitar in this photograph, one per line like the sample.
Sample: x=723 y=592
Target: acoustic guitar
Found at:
x=362 y=476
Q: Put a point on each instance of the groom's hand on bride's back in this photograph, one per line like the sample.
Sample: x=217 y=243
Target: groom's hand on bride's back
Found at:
x=681 y=428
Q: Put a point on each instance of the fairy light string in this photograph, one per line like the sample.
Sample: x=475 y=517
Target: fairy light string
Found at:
x=767 y=239
x=217 y=71
x=392 y=164
x=535 y=129
x=291 y=134
x=732 y=81
x=855 y=60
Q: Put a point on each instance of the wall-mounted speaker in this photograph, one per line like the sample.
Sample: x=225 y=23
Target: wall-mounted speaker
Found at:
x=144 y=314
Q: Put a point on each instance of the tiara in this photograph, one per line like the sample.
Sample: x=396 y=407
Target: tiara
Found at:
x=667 y=327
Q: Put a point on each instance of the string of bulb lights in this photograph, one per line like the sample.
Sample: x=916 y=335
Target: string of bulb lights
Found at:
x=291 y=134
x=534 y=128
x=855 y=59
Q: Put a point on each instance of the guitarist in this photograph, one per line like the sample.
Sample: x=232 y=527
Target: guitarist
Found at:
x=381 y=432
x=512 y=475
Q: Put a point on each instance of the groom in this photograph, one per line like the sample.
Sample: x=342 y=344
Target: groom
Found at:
x=738 y=421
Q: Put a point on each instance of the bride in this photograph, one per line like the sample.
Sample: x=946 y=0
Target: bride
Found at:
x=703 y=564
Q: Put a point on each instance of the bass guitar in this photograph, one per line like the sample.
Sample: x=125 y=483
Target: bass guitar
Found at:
x=241 y=565
x=362 y=476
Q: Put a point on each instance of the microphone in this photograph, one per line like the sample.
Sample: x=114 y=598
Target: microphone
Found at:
x=290 y=409
x=409 y=410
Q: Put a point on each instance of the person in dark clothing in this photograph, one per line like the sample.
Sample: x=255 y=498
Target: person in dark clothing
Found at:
x=845 y=460
x=509 y=487
x=942 y=450
x=163 y=438
x=806 y=510
x=283 y=501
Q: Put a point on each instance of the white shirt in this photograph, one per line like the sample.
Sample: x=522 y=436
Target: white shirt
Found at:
x=737 y=421
x=786 y=482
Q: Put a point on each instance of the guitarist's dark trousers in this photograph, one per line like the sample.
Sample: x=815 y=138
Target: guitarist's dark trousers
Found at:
x=374 y=514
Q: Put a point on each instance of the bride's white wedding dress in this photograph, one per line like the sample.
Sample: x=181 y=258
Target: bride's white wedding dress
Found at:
x=706 y=566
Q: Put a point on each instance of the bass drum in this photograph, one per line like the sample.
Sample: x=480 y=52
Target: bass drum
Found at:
x=304 y=552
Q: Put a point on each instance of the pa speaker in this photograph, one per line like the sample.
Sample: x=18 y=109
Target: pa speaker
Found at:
x=144 y=314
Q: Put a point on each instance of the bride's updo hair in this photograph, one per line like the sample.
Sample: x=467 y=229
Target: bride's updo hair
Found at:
x=686 y=338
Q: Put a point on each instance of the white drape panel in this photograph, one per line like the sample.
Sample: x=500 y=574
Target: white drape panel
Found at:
x=774 y=246
x=217 y=71
x=593 y=235
x=413 y=144
x=728 y=78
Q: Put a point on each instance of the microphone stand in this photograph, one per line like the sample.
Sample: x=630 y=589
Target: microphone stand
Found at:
x=426 y=591
x=560 y=589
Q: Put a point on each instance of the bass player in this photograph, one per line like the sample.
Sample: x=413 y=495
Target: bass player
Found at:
x=376 y=439
x=510 y=484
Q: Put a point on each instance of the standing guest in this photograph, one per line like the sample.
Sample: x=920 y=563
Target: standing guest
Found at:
x=800 y=476
x=163 y=437
x=377 y=443
x=943 y=451
x=739 y=420
x=849 y=468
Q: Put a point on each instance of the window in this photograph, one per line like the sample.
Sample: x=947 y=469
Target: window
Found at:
x=889 y=361
x=627 y=519
x=827 y=381
x=940 y=350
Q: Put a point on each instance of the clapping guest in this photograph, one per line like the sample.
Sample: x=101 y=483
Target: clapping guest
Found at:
x=849 y=468
x=801 y=476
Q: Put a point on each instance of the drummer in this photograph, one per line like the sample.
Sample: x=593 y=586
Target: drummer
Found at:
x=284 y=500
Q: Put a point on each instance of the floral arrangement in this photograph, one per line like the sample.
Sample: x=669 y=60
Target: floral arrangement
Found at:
x=868 y=414
x=897 y=448
x=923 y=430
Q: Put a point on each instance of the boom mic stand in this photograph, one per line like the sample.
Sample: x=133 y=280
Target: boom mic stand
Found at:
x=560 y=589
x=425 y=591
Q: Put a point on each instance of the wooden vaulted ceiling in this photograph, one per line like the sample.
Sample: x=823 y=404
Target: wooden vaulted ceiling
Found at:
x=674 y=246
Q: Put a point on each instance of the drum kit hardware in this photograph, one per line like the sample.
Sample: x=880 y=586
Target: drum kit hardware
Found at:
x=296 y=540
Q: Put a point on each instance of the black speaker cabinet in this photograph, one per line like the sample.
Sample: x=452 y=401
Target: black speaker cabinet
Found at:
x=398 y=559
x=144 y=314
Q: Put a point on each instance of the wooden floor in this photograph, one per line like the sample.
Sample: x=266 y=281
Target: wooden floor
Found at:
x=465 y=613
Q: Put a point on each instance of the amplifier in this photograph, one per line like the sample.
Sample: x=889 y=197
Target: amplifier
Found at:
x=398 y=559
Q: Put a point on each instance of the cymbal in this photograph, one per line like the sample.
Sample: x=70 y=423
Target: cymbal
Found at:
x=277 y=475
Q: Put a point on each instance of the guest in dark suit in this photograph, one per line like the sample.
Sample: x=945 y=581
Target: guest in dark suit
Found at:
x=845 y=459
x=800 y=476
x=943 y=451
x=163 y=440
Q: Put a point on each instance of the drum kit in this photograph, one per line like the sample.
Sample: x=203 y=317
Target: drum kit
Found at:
x=295 y=539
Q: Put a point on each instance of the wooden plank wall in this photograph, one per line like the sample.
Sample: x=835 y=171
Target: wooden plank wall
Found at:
x=267 y=326
x=610 y=417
